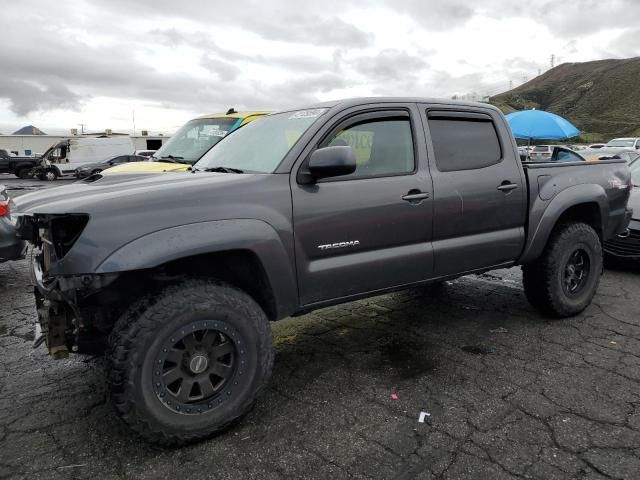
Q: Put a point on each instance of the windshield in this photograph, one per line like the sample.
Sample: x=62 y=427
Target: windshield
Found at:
x=621 y=142
x=196 y=137
x=261 y=145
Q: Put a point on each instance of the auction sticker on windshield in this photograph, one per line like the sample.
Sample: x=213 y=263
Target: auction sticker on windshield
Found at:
x=312 y=113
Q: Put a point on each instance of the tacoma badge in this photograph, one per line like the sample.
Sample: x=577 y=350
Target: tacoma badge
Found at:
x=350 y=243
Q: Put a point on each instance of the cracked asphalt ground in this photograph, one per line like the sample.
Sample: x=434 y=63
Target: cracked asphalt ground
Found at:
x=529 y=398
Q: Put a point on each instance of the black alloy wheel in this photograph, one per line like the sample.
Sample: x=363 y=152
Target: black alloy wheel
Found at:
x=195 y=364
x=576 y=272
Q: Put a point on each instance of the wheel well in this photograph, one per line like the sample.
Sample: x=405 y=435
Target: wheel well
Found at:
x=240 y=268
x=588 y=213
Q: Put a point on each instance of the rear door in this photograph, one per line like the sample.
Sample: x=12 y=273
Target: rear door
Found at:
x=363 y=232
x=479 y=203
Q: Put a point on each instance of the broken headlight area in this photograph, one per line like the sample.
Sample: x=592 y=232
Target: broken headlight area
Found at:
x=64 y=322
x=73 y=311
x=53 y=235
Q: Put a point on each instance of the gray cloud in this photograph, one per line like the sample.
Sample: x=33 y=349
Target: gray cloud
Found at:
x=436 y=14
x=627 y=44
x=317 y=25
x=26 y=96
x=75 y=54
x=225 y=71
x=389 y=65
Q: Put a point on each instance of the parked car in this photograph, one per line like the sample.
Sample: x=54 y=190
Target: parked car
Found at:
x=19 y=166
x=628 y=157
x=607 y=153
x=541 y=151
x=627 y=244
x=297 y=211
x=93 y=168
x=555 y=153
x=627 y=143
x=189 y=143
x=11 y=246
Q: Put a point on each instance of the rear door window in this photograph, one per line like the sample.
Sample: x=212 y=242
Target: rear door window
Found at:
x=463 y=142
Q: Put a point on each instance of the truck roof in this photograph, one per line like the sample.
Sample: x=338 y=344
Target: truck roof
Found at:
x=351 y=102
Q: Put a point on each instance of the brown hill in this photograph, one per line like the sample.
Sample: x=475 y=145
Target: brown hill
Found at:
x=602 y=98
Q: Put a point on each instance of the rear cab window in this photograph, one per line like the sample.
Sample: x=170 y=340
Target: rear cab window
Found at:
x=463 y=140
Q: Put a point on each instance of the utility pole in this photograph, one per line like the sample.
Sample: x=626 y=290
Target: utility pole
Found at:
x=510 y=84
x=134 y=121
x=82 y=125
x=553 y=60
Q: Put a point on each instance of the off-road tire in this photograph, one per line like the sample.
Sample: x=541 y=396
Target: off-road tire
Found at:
x=141 y=333
x=543 y=279
x=23 y=173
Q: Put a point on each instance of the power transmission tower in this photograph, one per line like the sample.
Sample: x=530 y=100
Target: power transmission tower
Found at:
x=553 y=60
x=510 y=84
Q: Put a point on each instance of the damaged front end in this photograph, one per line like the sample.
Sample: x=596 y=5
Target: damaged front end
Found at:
x=65 y=323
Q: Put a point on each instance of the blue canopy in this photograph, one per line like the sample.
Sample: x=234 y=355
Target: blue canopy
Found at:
x=540 y=125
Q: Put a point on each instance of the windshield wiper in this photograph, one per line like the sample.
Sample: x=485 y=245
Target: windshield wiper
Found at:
x=171 y=159
x=220 y=169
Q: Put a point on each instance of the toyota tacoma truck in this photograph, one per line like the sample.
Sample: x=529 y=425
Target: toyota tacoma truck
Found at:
x=177 y=276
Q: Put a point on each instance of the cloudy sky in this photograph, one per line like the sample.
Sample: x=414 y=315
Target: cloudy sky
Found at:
x=96 y=61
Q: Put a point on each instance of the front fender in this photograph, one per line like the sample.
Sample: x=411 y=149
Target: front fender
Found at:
x=544 y=215
x=188 y=240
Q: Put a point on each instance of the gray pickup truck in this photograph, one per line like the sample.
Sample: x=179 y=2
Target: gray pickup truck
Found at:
x=177 y=276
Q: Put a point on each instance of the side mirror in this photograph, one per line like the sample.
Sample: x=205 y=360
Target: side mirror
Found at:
x=332 y=162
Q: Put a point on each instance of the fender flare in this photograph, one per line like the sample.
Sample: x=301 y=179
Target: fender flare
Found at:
x=183 y=241
x=542 y=224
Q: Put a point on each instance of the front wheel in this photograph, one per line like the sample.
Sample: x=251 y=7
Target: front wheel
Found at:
x=190 y=362
x=48 y=175
x=564 y=280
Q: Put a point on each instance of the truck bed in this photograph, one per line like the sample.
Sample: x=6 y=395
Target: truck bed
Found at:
x=554 y=185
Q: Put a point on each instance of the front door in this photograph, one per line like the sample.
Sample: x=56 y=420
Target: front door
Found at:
x=372 y=229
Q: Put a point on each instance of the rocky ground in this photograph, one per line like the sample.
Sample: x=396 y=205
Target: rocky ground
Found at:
x=508 y=394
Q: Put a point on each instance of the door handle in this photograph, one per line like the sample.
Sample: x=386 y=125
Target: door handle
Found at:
x=507 y=186
x=415 y=195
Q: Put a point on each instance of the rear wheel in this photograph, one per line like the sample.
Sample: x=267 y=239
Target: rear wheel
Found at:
x=23 y=173
x=189 y=362
x=563 y=281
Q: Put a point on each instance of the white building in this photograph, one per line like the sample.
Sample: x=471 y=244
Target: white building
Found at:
x=27 y=145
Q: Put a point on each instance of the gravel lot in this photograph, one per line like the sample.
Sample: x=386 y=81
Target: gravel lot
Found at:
x=510 y=394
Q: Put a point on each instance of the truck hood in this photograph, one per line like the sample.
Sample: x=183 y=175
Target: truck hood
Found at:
x=88 y=196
